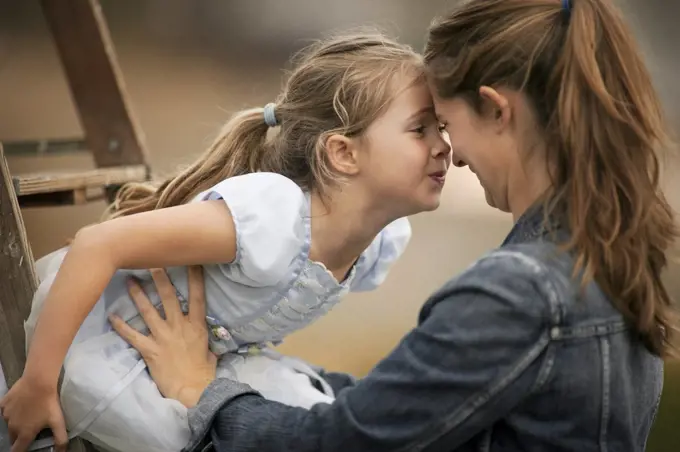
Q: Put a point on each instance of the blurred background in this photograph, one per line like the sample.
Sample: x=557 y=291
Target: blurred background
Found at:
x=189 y=64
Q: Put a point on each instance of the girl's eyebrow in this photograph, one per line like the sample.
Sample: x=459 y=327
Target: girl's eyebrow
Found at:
x=428 y=109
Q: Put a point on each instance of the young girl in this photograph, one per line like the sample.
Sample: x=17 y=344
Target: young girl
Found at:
x=284 y=226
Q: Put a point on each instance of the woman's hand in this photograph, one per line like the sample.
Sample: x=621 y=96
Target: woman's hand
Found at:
x=27 y=408
x=176 y=351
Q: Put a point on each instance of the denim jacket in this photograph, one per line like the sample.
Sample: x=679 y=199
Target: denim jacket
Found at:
x=511 y=355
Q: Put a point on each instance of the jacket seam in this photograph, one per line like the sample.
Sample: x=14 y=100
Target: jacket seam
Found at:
x=606 y=380
x=546 y=369
x=544 y=281
x=477 y=400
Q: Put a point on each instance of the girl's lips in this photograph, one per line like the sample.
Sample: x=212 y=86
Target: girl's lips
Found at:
x=439 y=177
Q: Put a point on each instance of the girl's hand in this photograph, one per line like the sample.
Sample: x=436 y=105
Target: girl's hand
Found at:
x=29 y=407
x=176 y=351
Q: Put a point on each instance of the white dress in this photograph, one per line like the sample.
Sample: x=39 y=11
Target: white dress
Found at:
x=270 y=290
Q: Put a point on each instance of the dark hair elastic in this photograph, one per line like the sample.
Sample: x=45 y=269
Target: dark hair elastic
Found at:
x=566 y=8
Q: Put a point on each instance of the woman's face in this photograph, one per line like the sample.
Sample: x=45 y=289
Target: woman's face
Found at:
x=488 y=143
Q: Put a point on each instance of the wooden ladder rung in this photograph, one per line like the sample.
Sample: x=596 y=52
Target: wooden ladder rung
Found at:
x=43 y=189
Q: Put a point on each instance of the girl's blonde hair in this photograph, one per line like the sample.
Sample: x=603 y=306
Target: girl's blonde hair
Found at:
x=339 y=86
x=579 y=66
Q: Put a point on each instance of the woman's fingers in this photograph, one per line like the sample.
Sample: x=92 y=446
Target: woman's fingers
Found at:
x=142 y=343
x=59 y=434
x=196 y=295
x=22 y=443
x=166 y=291
x=151 y=317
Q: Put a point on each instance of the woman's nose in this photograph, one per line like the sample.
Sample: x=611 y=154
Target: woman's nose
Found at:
x=456 y=160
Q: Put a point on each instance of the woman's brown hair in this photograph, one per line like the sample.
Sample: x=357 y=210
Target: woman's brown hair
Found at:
x=603 y=124
x=338 y=86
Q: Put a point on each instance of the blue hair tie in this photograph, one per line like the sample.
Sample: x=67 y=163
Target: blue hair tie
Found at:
x=270 y=115
x=566 y=7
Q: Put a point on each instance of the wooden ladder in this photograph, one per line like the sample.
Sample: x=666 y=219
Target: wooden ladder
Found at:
x=112 y=136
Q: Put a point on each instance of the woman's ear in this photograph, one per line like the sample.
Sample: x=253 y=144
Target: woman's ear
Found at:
x=342 y=154
x=496 y=107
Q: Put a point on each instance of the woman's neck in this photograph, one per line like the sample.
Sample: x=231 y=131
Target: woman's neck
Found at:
x=343 y=226
x=529 y=189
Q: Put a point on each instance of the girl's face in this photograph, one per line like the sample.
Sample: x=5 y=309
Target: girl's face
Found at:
x=404 y=158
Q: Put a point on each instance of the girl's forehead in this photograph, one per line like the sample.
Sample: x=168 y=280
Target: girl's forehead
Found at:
x=413 y=96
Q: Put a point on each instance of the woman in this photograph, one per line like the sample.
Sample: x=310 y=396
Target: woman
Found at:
x=554 y=341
